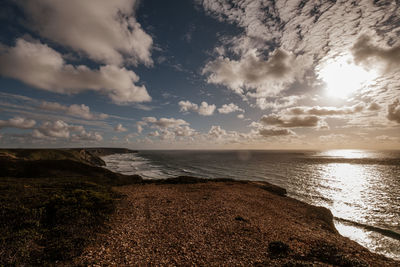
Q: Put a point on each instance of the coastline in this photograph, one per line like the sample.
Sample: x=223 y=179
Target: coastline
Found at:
x=223 y=222
x=280 y=229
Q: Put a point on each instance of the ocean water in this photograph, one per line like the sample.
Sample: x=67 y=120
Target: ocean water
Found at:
x=361 y=188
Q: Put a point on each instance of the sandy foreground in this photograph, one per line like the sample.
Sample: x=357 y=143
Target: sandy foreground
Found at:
x=221 y=223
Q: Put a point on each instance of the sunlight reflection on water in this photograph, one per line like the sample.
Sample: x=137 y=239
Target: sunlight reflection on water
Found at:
x=359 y=193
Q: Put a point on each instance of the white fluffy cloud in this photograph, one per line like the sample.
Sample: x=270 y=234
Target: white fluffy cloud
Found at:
x=41 y=66
x=18 y=122
x=61 y=130
x=252 y=72
x=154 y=134
x=277 y=103
x=162 y=122
x=218 y=133
x=87 y=136
x=167 y=128
x=229 y=108
x=80 y=111
x=187 y=106
x=120 y=128
x=56 y=129
x=204 y=109
x=106 y=31
x=184 y=131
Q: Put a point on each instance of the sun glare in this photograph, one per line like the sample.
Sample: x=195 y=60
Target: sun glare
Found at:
x=343 y=78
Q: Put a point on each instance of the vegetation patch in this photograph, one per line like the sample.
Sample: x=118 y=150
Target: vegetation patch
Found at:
x=52 y=204
x=43 y=221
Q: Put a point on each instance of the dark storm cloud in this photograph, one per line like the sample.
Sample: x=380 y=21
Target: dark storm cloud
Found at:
x=394 y=111
x=275 y=132
x=365 y=51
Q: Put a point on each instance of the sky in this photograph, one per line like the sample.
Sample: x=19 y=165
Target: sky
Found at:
x=200 y=74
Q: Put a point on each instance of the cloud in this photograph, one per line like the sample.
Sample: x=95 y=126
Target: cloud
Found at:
x=106 y=31
x=240 y=116
x=59 y=129
x=204 y=109
x=219 y=134
x=306 y=27
x=173 y=133
x=18 y=122
x=325 y=111
x=149 y=119
x=120 y=128
x=277 y=103
x=80 y=111
x=394 y=111
x=364 y=51
x=386 y=138
x=168 y=129
x=309 y=33
x=187 y=106
x=374 y=106
x=251 y=71
x=333 y=138
x=268 y=132
x=162 y=122
x=56 y=129
x=87 y=136
x=226 y=109
x=292 y=121
x=184 y=131
x=40 y=66
x=155 y=133
x=139 y=126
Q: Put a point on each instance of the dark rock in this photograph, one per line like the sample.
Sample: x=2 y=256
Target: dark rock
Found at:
x=324 y=215
x=278 y=249
x=272 y=188
x=240 y=218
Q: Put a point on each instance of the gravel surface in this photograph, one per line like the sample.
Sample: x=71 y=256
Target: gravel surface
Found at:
x=221 y=224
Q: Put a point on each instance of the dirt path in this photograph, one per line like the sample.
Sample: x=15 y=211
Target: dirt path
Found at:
x=225 y=223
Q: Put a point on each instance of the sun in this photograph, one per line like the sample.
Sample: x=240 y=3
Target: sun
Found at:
x=343 y=77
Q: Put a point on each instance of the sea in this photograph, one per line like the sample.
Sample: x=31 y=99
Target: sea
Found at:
x=360 y=187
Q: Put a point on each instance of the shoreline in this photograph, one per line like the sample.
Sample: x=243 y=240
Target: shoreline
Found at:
x=352 y=229
x=195 y=217
x=215 y=199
